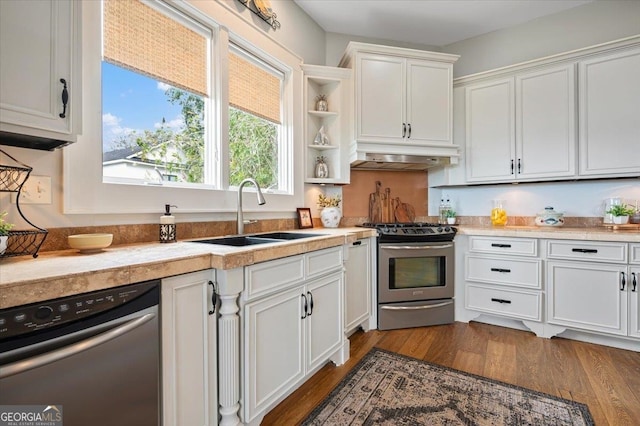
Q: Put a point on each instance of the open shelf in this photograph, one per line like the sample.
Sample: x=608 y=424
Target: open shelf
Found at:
x=335 y=85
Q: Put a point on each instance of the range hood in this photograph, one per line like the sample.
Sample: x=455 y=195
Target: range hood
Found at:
x=31 y=142
x=399 y=162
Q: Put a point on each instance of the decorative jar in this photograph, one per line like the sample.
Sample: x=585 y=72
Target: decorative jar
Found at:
x=549 y=217
x=330 y=217
x=321 y=103
x=498 y=213
x=322 y=169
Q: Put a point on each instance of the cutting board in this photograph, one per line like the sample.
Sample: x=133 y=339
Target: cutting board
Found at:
x=385 y=208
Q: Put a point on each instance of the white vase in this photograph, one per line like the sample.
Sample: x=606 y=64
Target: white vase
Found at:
x=330 y=217
x=620 y=220
x=3 y=243
x=451 y=220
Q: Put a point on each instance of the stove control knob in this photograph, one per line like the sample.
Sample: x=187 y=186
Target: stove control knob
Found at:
x=447 y=229
x=394 y=230
x=439 y=229
x=43 y=312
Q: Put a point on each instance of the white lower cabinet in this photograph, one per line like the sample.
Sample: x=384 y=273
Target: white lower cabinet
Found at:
x=593 y=286
x=293 y=330
x=189 y=350
x=503 y=276
x=587 y=296
x=359 y=285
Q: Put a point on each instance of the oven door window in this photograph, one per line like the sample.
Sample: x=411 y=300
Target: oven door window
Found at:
x=417 y=272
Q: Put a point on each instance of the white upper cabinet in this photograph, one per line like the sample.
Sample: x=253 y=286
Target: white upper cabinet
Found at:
x=380 y=108
x=522 y=127
x=545 y=123
x=610 y=114
x=490 y=131
x=403 y=99
x=39 y=41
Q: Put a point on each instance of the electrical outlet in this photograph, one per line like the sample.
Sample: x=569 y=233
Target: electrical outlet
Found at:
x=36 y=190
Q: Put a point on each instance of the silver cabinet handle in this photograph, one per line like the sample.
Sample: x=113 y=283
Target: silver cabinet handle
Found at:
x=415 y=308
x=76 y=348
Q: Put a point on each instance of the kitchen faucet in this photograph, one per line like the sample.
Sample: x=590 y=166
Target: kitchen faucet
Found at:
x=261 y=201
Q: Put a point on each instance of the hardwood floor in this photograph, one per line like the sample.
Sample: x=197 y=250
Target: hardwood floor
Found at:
x=606 y=379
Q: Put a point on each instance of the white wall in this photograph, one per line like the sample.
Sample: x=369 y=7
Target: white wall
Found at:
x=583 y=199
x=298 y=32
x=587 y=25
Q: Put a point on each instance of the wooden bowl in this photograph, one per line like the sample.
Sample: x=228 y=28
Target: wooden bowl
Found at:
x=90 y=243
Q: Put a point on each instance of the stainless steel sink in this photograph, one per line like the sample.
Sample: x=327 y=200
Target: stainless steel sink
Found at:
x=286 y=235
x=240 y=241
x=250 y=240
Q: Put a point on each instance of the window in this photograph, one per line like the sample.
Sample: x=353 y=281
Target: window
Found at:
x=142 y=195
x=255 y=142
x=154 y=94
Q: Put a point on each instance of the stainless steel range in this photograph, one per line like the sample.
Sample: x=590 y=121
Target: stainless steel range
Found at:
x=415 y=274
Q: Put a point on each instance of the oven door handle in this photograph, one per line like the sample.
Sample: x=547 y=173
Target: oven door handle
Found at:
x=415 y=308
x=67 y=351
x=425 y=247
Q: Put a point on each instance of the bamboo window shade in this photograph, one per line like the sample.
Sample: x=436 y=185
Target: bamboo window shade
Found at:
x=141 y=39
x=253 y=89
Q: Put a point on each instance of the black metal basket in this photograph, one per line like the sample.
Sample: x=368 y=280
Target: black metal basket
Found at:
x=20 y=243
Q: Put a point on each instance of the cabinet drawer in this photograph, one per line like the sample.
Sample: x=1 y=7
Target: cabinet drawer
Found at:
x=634 y=254
x=511 y=303
x=504 y=271
x=267 y=277
x=587 y=250
x=512 y=246
x=323 y=261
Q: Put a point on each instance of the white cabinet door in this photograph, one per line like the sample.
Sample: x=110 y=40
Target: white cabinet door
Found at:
x=274 y=349
x=37 y=42
x=633 y=290
x=610 y=114
x=324 y=319
x=587 y=296
x=490 y=131
x=429 y=102
x=358 y=285
x=545 y=123
x=189 y=361
x=380 y=98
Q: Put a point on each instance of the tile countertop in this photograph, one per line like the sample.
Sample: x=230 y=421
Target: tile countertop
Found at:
x=601 y=233
x=56 y=274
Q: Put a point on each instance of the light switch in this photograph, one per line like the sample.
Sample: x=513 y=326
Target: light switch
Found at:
x=36 y=190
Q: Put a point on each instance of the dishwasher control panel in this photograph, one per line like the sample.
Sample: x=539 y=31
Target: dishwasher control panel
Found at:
x=44 y=315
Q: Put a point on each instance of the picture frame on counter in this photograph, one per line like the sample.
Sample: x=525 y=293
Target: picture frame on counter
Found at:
x=304 y=218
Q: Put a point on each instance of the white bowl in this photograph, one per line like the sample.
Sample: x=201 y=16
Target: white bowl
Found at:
x=89 y=243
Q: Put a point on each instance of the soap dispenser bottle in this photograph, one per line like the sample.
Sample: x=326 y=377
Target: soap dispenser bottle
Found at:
x=167 y=225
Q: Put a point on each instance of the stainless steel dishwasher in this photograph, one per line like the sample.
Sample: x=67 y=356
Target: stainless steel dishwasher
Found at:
x=96 y=356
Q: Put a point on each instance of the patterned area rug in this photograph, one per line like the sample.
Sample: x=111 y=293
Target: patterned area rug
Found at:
x=391 y=389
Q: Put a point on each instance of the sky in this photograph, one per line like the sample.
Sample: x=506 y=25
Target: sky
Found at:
x=130 y=102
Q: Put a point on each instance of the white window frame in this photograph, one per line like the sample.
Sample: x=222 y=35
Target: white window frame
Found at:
x=86 y=193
